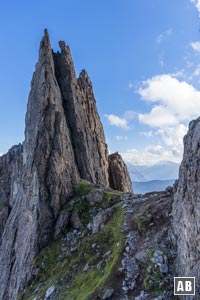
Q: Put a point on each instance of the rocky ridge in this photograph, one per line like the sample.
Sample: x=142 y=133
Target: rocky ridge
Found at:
x=64 y=142
x=122 y=250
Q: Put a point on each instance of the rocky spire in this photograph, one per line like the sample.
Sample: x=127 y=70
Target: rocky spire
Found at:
x=81 y=114
x=118 y=174
x=47 y=144
x=186 y=207
x=64 y=141
x=47 y=177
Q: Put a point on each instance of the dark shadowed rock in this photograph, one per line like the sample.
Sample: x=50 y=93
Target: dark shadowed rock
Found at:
x=10 y=173
x=61 y=223
x=75 y=221
x=118 y=174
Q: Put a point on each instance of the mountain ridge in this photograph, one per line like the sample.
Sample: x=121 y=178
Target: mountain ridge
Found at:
x=64 y=142
x=141 y=187
x=163 y=170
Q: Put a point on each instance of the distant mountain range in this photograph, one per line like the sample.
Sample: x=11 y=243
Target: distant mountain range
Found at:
x=151 y=186
x=164 y=170
x=153 y=178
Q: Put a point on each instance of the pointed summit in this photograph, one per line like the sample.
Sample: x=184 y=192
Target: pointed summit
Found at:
x=46 y=33
x=45 y=52
x=84 y=79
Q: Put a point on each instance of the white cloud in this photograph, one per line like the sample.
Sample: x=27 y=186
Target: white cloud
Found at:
x=147 y=134
x=158 y=117
x=173 y=138
x=179 y=74
x=121 y=122
x=174 y=101
x=129 y=115
x=197 y=4
x=150 y=155
x=117 y=121
x=121 y=138
x=196 y=46
x=162 y=36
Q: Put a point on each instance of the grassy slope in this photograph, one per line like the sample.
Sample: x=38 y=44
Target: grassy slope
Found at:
x=65 y=269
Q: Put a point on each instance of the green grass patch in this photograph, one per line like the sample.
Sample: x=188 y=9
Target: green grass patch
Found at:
x=56 y=265
x=155 y=276
x=83 y=207
x=141 y=220
x=110 y=198
x=113 y=194
x=83 y=187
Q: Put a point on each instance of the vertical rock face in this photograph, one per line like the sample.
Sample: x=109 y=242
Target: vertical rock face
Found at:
x=47 y=147
x=64 y=141
x=87 y=133
x=118 y=174
x=186 y=208
x=46 y=178
x=10 y=168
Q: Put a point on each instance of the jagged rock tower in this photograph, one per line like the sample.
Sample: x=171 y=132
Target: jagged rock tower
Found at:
x=118 y=173
x=186 y=207
x=64 y=141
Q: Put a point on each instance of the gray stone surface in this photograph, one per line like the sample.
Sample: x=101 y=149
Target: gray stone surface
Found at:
x=75 y=221
x=81 y=114
x=61 y=223
x=186 y=207
x=108 y=294
x=101 y=218
x=95 y=197
x=118 y=174
x=49 y=292
x=10 y=173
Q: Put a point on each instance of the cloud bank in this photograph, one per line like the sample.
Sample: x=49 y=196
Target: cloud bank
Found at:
x=197 y=4
x=173 y=103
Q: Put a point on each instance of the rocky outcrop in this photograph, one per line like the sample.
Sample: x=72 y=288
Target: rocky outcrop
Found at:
x=118 y=174
x=124 y=253
x=186 y=207
x=64 y=142
x=10 y=173
x=45 y=180
x=87 y=135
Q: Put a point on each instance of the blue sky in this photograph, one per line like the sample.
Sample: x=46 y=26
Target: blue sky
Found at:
x=143 y=58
